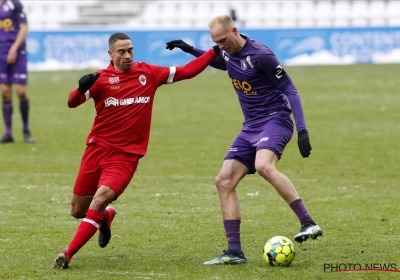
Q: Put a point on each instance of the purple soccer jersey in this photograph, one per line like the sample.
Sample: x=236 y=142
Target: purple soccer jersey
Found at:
x=11 y=16
x=267 y=97
x=262 y=85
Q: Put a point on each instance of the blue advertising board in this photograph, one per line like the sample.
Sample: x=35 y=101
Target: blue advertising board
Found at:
x=88 y=48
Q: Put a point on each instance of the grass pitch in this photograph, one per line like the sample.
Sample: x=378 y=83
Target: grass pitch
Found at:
x=169 y=220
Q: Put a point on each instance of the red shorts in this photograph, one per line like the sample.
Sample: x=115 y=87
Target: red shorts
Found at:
x=104 y=166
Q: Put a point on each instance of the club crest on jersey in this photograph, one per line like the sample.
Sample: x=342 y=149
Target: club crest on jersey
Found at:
x=142 y=80
x=243 y=64
x=249 y=61
x=278 y=71
x=113 y=80
x=111 y=101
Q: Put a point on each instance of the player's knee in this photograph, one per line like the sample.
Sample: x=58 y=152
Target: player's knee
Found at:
x=266 y=171
x=6 y=94
x=77 y=213
x=218 y=181
x=22 y=95
x=222 y=183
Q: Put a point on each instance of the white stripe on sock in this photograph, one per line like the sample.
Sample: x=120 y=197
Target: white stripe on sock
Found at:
x=91 y=222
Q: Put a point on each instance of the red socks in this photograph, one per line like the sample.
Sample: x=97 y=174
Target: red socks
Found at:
x=87 y=228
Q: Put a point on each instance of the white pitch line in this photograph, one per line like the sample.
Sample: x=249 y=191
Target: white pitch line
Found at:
x=189 y=177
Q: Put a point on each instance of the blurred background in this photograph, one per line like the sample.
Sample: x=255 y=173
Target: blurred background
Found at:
x=73 y=34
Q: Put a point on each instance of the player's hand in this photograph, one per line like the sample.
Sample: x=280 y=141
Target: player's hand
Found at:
x=179 y=44
x=216 y=49
x=304 y=143
x=87 y=81
x=11 y=56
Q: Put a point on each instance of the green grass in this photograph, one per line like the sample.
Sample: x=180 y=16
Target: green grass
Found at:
x=169 y=219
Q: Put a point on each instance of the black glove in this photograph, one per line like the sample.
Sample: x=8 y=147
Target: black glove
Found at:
x=216 y=49
x=87 y=81
x=179 y=44
x=304 y=143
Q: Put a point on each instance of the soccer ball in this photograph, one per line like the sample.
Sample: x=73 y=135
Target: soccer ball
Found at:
x=279 y=251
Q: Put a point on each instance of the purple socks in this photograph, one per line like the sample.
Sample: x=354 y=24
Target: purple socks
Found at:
x=24 y=108
x=232 y=231
x=7 y=116
x=301 y=212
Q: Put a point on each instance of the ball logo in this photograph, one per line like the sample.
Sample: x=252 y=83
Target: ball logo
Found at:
x=142 y=79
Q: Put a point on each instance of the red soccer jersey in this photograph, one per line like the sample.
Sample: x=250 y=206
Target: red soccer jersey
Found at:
x=124 y=102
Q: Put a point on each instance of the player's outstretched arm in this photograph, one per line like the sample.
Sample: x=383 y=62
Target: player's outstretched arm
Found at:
x=81 y=94
x=180 y=44
x=195 y=66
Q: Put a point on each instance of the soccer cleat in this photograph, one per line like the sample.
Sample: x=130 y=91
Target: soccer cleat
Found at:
x=308 y=231
x=28 y=137
x=228 y=257
x=60 y=262
x=6 y=138
x=105 y=227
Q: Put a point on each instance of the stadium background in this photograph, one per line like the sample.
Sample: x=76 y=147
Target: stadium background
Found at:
x=73 y=34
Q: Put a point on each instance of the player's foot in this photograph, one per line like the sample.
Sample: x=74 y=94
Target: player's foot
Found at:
x=28 y=137
x=228 y=257
x=105 y=227
x=308 y=231
x=6 y=138
x=61 y=261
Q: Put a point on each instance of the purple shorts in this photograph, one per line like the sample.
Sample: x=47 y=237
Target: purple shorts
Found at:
x=274 y=135
x=16 y=73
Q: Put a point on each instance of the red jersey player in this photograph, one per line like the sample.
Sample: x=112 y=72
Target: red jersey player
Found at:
x=123 y=95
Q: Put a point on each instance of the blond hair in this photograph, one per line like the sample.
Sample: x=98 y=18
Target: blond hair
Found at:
x=224 y=20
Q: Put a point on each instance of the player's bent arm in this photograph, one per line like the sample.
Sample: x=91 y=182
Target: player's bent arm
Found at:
x=77 y=98
x=22 y=33
x=295 y=104
x=192 y=68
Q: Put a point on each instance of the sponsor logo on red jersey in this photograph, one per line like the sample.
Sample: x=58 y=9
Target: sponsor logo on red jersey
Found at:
x=126 y=101
x=111 y=101
x=113 y=80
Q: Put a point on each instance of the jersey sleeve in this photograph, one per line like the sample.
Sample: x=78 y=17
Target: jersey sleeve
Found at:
x=295 y=104
x=269 y=65
x=77 y=98
x=19 y=12
x=169 y=75
x=275 y=73
x=217 y=63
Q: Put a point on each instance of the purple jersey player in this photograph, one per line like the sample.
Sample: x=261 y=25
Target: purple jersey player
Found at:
x=13 y=65
x=267 y=97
